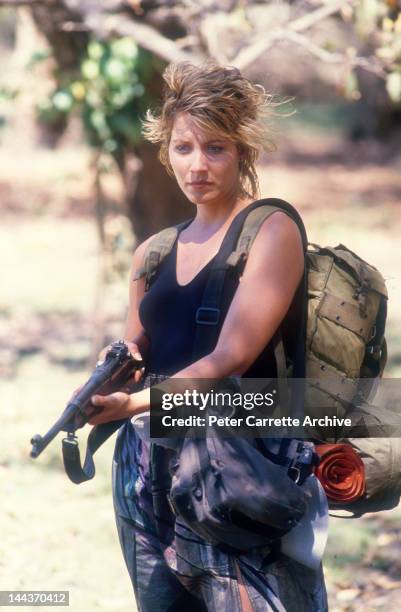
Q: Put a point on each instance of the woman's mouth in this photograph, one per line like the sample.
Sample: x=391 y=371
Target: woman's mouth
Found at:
x=199 y=183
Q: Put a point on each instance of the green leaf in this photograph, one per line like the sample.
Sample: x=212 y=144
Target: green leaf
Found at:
x=122 y=96
x=351 y=87
x=78 y=90
x=62 y=101
x=37 y=57
x=115 y=70
x=124 y=48
x=110 y=145
x=95 y=50
x=93 y=98
x=99 y=123
x=90 y=69
x=7 y=93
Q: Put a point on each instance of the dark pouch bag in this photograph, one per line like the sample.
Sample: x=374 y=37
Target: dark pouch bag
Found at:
x=230 y=494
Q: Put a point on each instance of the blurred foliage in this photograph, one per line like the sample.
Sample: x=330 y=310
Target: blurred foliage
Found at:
x=378 y=23
x=7 y=95
x=109 y=87
x=109 y=93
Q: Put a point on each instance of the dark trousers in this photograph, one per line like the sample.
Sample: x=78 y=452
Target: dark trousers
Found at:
x=195 y=576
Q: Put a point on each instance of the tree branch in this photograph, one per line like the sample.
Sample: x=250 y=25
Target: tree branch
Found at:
x=73 y=26
x=370 y=64
x=18 y=3
x=170 y=50
x=146 y=36
x=248 y=55
x=329 y=8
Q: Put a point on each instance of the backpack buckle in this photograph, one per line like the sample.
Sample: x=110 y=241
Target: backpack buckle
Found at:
x=206 y=315
x=237 y=259
x=375 y=351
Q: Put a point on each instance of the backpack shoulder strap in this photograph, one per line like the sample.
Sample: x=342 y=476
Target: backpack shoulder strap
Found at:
x=218 y=292
x=248 y=234
x=231 y=257
x=156 y=251
x=254 y=220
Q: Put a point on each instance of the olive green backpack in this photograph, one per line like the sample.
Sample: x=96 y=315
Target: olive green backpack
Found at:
x=345 y=356
x=345 y=344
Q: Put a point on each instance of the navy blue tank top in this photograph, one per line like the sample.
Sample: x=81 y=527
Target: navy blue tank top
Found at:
x=167 y=313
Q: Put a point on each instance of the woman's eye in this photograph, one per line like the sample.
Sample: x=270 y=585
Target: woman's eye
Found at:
x=181 y=148
x=184 y=148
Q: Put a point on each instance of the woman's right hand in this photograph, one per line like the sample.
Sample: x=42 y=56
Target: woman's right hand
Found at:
x=133 y=349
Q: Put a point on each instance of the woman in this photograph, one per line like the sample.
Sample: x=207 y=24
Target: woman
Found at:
x=211 y=129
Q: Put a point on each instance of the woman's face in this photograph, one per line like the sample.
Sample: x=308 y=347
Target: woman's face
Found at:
x=205 y=164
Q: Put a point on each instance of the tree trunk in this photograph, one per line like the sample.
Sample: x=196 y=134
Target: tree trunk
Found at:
x=154 y=200
x=158 y=201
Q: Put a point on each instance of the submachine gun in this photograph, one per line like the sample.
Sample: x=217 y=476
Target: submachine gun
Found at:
x=115 y=373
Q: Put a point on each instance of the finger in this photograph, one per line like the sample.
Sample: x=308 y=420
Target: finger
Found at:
x=108 y=401
x=134 y=350
x=100 y=400
x=138 y=374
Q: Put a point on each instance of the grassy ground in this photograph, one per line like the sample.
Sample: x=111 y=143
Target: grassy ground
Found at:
x=56 y=535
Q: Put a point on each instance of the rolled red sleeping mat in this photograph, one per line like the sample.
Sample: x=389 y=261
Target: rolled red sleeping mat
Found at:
x=341 y=472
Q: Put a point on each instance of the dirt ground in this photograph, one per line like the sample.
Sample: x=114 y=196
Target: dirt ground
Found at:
x=56 y=535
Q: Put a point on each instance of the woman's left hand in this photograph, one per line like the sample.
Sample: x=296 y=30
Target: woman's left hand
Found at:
x=114 y=407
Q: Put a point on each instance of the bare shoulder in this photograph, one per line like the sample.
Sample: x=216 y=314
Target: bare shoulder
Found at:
x=277 y=250
x=281 y=234
x=280 y=226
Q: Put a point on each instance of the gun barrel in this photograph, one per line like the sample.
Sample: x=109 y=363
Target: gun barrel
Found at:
x=38 y=445
x=39 y=442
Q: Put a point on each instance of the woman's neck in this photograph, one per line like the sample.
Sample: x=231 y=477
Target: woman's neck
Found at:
x=210 y=217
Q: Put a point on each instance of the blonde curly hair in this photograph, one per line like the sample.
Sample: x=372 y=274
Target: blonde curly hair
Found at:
x=220 y=99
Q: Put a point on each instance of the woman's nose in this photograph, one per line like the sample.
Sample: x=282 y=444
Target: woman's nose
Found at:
x=198 y=161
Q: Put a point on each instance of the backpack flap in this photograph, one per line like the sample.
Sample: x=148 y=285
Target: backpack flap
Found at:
x=346 y=313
